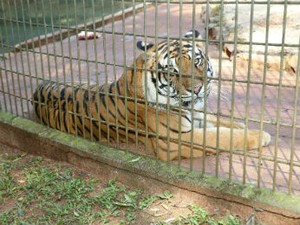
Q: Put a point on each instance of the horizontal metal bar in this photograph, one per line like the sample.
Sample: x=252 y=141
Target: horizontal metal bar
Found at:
x=129 y=67
x=287 y=125
x=152 y=134
x=295 y=2
x=159 y=37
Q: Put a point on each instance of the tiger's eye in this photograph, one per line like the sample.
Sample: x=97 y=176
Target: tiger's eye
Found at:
x=197 y=61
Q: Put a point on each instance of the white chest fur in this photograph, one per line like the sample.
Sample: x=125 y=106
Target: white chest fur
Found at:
x=160 y=101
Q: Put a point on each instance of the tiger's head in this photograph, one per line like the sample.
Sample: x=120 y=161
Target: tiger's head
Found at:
x=176 y=72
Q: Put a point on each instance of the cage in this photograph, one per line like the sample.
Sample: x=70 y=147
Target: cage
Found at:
x=73 y=48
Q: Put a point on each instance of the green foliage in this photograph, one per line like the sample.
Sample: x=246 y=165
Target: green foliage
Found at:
x=200 y=216
x=166 y=195
x=147 y=201
x=34 y=192
x=47 y=195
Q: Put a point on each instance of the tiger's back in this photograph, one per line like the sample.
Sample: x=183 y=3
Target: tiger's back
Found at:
x=113 y=111
x=88 y=110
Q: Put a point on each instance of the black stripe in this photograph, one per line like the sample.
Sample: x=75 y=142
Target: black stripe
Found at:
x=96 y=107
x=44 y=120
x=49 y=97
x=37 y=110
x=103 y=133
x=188 y=45
x=65 y=119
x=185 y=116
x=111 y=94
x=93 y=97
x=86 y=107
x=162 y=44
x=102 y=98
x=62 y=93
x=75 y=92
x=57 y=122
x=40 y=97
x=77 y=112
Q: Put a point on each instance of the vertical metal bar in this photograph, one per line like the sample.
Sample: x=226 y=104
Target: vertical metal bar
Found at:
x=279 y=95
x=22 y=65
x=2 y=89
x=193 y=87
x=279 y=92
x=233 y=86
x=5 y=67
x=146 y=84
x=79 y=67
x=168 y=77
x=219 y=85
x=96 y=63
x=12 y=79
x=180 y=84
x=56 y=66
x=115 y=76
x=70 y=60
x=40 y=55
x=156 y=84
x=205 y=88
x=87 y=80
x=45 y=27
x=67 y=113
x=124 y=72
x=107 y=123
x=34 y=59
x=87 y=117
x=25 y=31
x=134 y=75
x=264 y=84
x=293 y=145
x=245 y=155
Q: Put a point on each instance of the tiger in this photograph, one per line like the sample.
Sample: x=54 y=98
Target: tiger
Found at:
x=159 y=100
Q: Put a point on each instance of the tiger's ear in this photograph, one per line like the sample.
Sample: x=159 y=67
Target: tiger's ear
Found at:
x=144 y=46
x=192 y=33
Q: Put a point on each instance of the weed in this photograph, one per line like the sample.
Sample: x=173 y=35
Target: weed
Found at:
x=147 y=201
x=166 y=195
x=200 y=216
x=34 y=192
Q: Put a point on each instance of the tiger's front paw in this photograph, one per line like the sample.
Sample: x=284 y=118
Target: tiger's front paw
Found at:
x=266 y=139
x=254 y=138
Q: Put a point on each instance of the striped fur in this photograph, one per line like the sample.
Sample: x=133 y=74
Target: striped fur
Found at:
x=156 y=97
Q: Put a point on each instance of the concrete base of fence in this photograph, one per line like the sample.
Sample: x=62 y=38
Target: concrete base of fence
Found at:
x=146 y=173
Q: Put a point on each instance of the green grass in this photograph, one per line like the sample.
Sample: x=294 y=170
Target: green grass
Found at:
x=37 y=191
x=200 y=216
